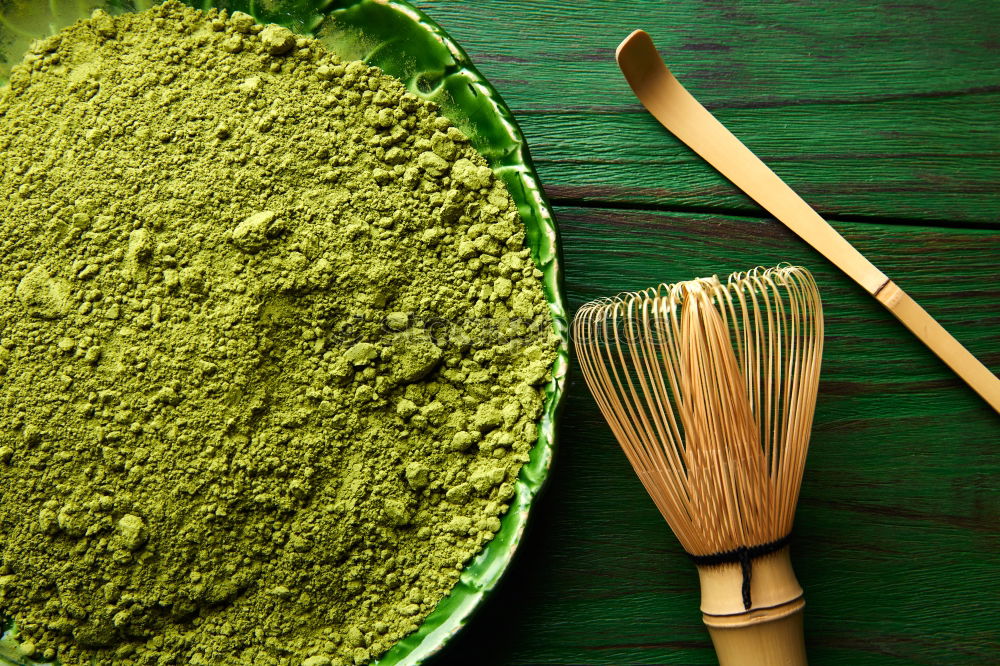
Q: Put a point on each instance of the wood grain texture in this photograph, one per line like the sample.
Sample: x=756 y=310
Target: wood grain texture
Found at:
x=883 y=115
x=869 y=109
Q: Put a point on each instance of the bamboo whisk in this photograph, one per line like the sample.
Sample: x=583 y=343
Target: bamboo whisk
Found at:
x=710 y=387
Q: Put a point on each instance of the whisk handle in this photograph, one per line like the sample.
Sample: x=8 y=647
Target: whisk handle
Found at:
x=770 y=632
x=941 y=342
x=771 y=637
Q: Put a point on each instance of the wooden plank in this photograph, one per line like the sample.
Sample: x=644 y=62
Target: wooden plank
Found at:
x=896 y=541
x=869 y=109
x=851 y=161
x=560 y=55
x=951 y=272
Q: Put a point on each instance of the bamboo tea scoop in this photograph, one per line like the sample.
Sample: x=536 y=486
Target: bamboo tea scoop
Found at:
x=678 y=111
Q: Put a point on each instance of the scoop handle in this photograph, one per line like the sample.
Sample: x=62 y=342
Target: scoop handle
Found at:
x=934 y=335
x=677 y=110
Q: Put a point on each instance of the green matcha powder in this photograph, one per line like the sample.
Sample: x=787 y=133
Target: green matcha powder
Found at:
x=272 y=349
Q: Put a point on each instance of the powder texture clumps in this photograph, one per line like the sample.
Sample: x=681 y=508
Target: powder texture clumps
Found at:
x=271 y=347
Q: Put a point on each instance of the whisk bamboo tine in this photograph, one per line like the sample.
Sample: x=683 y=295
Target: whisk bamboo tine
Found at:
x=677 y=110
x=709 y=387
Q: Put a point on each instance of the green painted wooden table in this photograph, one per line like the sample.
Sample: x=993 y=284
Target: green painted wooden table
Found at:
x=884 y=116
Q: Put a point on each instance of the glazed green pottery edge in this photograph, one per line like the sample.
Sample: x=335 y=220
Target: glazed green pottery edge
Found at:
x=405 y=43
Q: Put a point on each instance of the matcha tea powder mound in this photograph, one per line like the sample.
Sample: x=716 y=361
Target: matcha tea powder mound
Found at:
x=272 y=349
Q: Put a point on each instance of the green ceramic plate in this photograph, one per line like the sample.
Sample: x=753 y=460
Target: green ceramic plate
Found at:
x=405 y=43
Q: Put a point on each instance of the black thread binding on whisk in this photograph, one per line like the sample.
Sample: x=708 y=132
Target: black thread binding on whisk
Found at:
x=744 y=555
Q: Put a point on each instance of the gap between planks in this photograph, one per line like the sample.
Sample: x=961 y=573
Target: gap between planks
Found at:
x=603 y=204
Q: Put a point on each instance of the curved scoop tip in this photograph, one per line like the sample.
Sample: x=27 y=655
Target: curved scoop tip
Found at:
x=632 y=39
